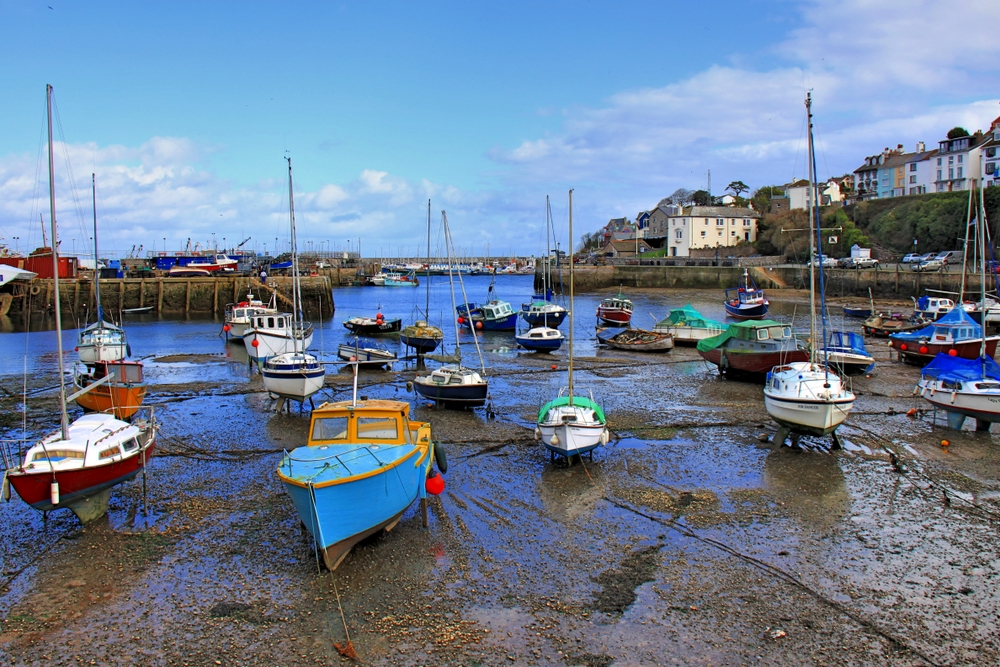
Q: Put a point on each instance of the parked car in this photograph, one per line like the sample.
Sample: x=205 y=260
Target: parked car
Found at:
x=866 y=263
x=828 y=262
x=846 y=262
x=912 y=258
x=928 y=265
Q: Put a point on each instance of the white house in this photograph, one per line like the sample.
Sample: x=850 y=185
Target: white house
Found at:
x=798 y=193
x=990 y=156
x=957 y=162
x=710 y=227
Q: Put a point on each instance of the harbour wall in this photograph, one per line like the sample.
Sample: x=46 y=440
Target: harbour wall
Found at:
x=885 y=283
x=204 y=295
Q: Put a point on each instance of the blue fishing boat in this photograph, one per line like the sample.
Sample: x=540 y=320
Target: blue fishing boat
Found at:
x=494 y=315
x=857 y=311
x=746 y=301
x=540 y=339
x=364 y=464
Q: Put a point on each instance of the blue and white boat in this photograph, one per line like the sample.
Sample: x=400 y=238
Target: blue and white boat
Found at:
x=364 y=464
x=746 y=301
x=494 y=315
x=542 y=313
x=540 y=339
x=846 y=353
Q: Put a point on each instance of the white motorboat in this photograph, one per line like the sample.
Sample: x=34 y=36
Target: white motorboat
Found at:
x=238 y=314
x=271 y=335
x=293 y=375
x=101 y=341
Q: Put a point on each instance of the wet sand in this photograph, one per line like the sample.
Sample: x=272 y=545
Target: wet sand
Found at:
x=686 y=541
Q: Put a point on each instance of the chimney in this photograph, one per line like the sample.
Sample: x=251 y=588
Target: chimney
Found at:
x=921 y=147
x=899 y=148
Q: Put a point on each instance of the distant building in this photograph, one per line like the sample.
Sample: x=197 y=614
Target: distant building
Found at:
x=798 y=193
x=624 y=248
x=616 y=229
x=709 y=227
x=990 y=156
x=919 y=171
x=958 y=162
x=659 y=220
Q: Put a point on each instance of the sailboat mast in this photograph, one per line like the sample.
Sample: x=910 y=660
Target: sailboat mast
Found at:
x=97 y=268
x=571 y=294
x=812 y=238
x=64 y=418
x=427 y=274
x=295 y=261
x=981 y=233
x=451 y=281
x=548 y=252
x=965 y=247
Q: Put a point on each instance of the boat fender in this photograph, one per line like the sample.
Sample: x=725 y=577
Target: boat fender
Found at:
x=605 y=436
x=434 y=484
x=54 y=493
x=538 y=434
x=409 y=386
x=554 y=440
x=128 y=350
x=440 y=457
x=6 y=488
x=35 y=289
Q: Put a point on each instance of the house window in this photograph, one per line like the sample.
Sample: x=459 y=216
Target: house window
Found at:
x=960 y=159
x=706 y=221
x=960 y=172
x=746 y=223
x=746 y=236
x=951 y=159
x=703 y=234
x=680 y=235
x=939 y=162
x=939 y=171
x=913 y=179
x=951 y=172
x=720 y=232
x=913 y=166
x=991 y=151
x=734 y=232
x=719 y=222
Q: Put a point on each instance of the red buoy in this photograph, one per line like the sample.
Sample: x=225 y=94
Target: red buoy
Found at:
x=902 y=346
x=923 y=349
x=479 y=325
x=461 y=320
x=434 y=484
x=952 y=352
x=554 y=366
x=255 y=342
x=226 y=327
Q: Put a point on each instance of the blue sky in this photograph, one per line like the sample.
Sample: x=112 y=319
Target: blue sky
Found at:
x=185 y=110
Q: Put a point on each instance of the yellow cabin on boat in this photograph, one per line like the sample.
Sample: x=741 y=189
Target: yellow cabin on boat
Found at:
x=376 y=421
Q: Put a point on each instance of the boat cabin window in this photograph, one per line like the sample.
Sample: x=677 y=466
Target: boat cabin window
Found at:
x=281 y=322
x=329 y=428
x=57 y=455
x=109 y=452
x=762 y=334
x=270 y=323
x=377 y=428
x=130 y=444
x=240 y=312
x=990 y=386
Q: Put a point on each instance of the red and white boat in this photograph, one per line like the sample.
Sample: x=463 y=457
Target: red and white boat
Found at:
x=217 y=262
x=956 y=334
x=615 y=311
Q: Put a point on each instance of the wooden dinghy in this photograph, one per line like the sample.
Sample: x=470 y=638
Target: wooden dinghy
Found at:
x=638 y=340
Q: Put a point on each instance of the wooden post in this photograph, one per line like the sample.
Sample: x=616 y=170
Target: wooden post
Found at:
x=215 y=296
x=187 y=296
x=76 y=296
x=142 y=293
x=159 y=294
x=121 y=294
x=236 y=286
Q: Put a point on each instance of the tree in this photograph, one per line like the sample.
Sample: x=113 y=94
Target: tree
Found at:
x=738 y=188
x=957 y=132
x=761 y=199
x=701 y=198
x=680 y=196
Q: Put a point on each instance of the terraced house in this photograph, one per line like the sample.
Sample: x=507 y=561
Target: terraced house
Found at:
x=702 y=227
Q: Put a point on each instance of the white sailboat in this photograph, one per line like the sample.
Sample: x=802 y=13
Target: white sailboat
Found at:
x=294 y=375
x=454 y=385
x=77 y=466
x=807 y=397
x=570 y=425
x=966 y=387
x=100 y=341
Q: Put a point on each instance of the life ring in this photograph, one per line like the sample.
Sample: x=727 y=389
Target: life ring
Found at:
x=35 y=290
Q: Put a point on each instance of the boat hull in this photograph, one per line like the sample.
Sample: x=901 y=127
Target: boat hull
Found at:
x=77 y=486
x=808 y=416
x=420 y=343
x=374 y=329
x=614 y=316
x=122 y=401
x=751 y=362
x=297 y=385
x=847 y=363
x=536 y=319
x=983 y=407
x=747 y=312
x=966 y=350
x=365 y=356
x=337 y=520
x=637 y=340
x=539 y=344
x=272 y=344
x=465 y=396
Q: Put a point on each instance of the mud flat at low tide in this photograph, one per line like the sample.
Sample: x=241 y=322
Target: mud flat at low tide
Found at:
x=687 y=540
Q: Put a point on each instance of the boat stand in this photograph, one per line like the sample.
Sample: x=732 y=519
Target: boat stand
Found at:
x=957 y=420
x=784 y=433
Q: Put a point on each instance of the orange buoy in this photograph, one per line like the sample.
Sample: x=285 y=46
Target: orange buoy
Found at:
x=952 y=352
x=434 y=484
x=255 y=342
x=945 y=443
x=479 y=325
